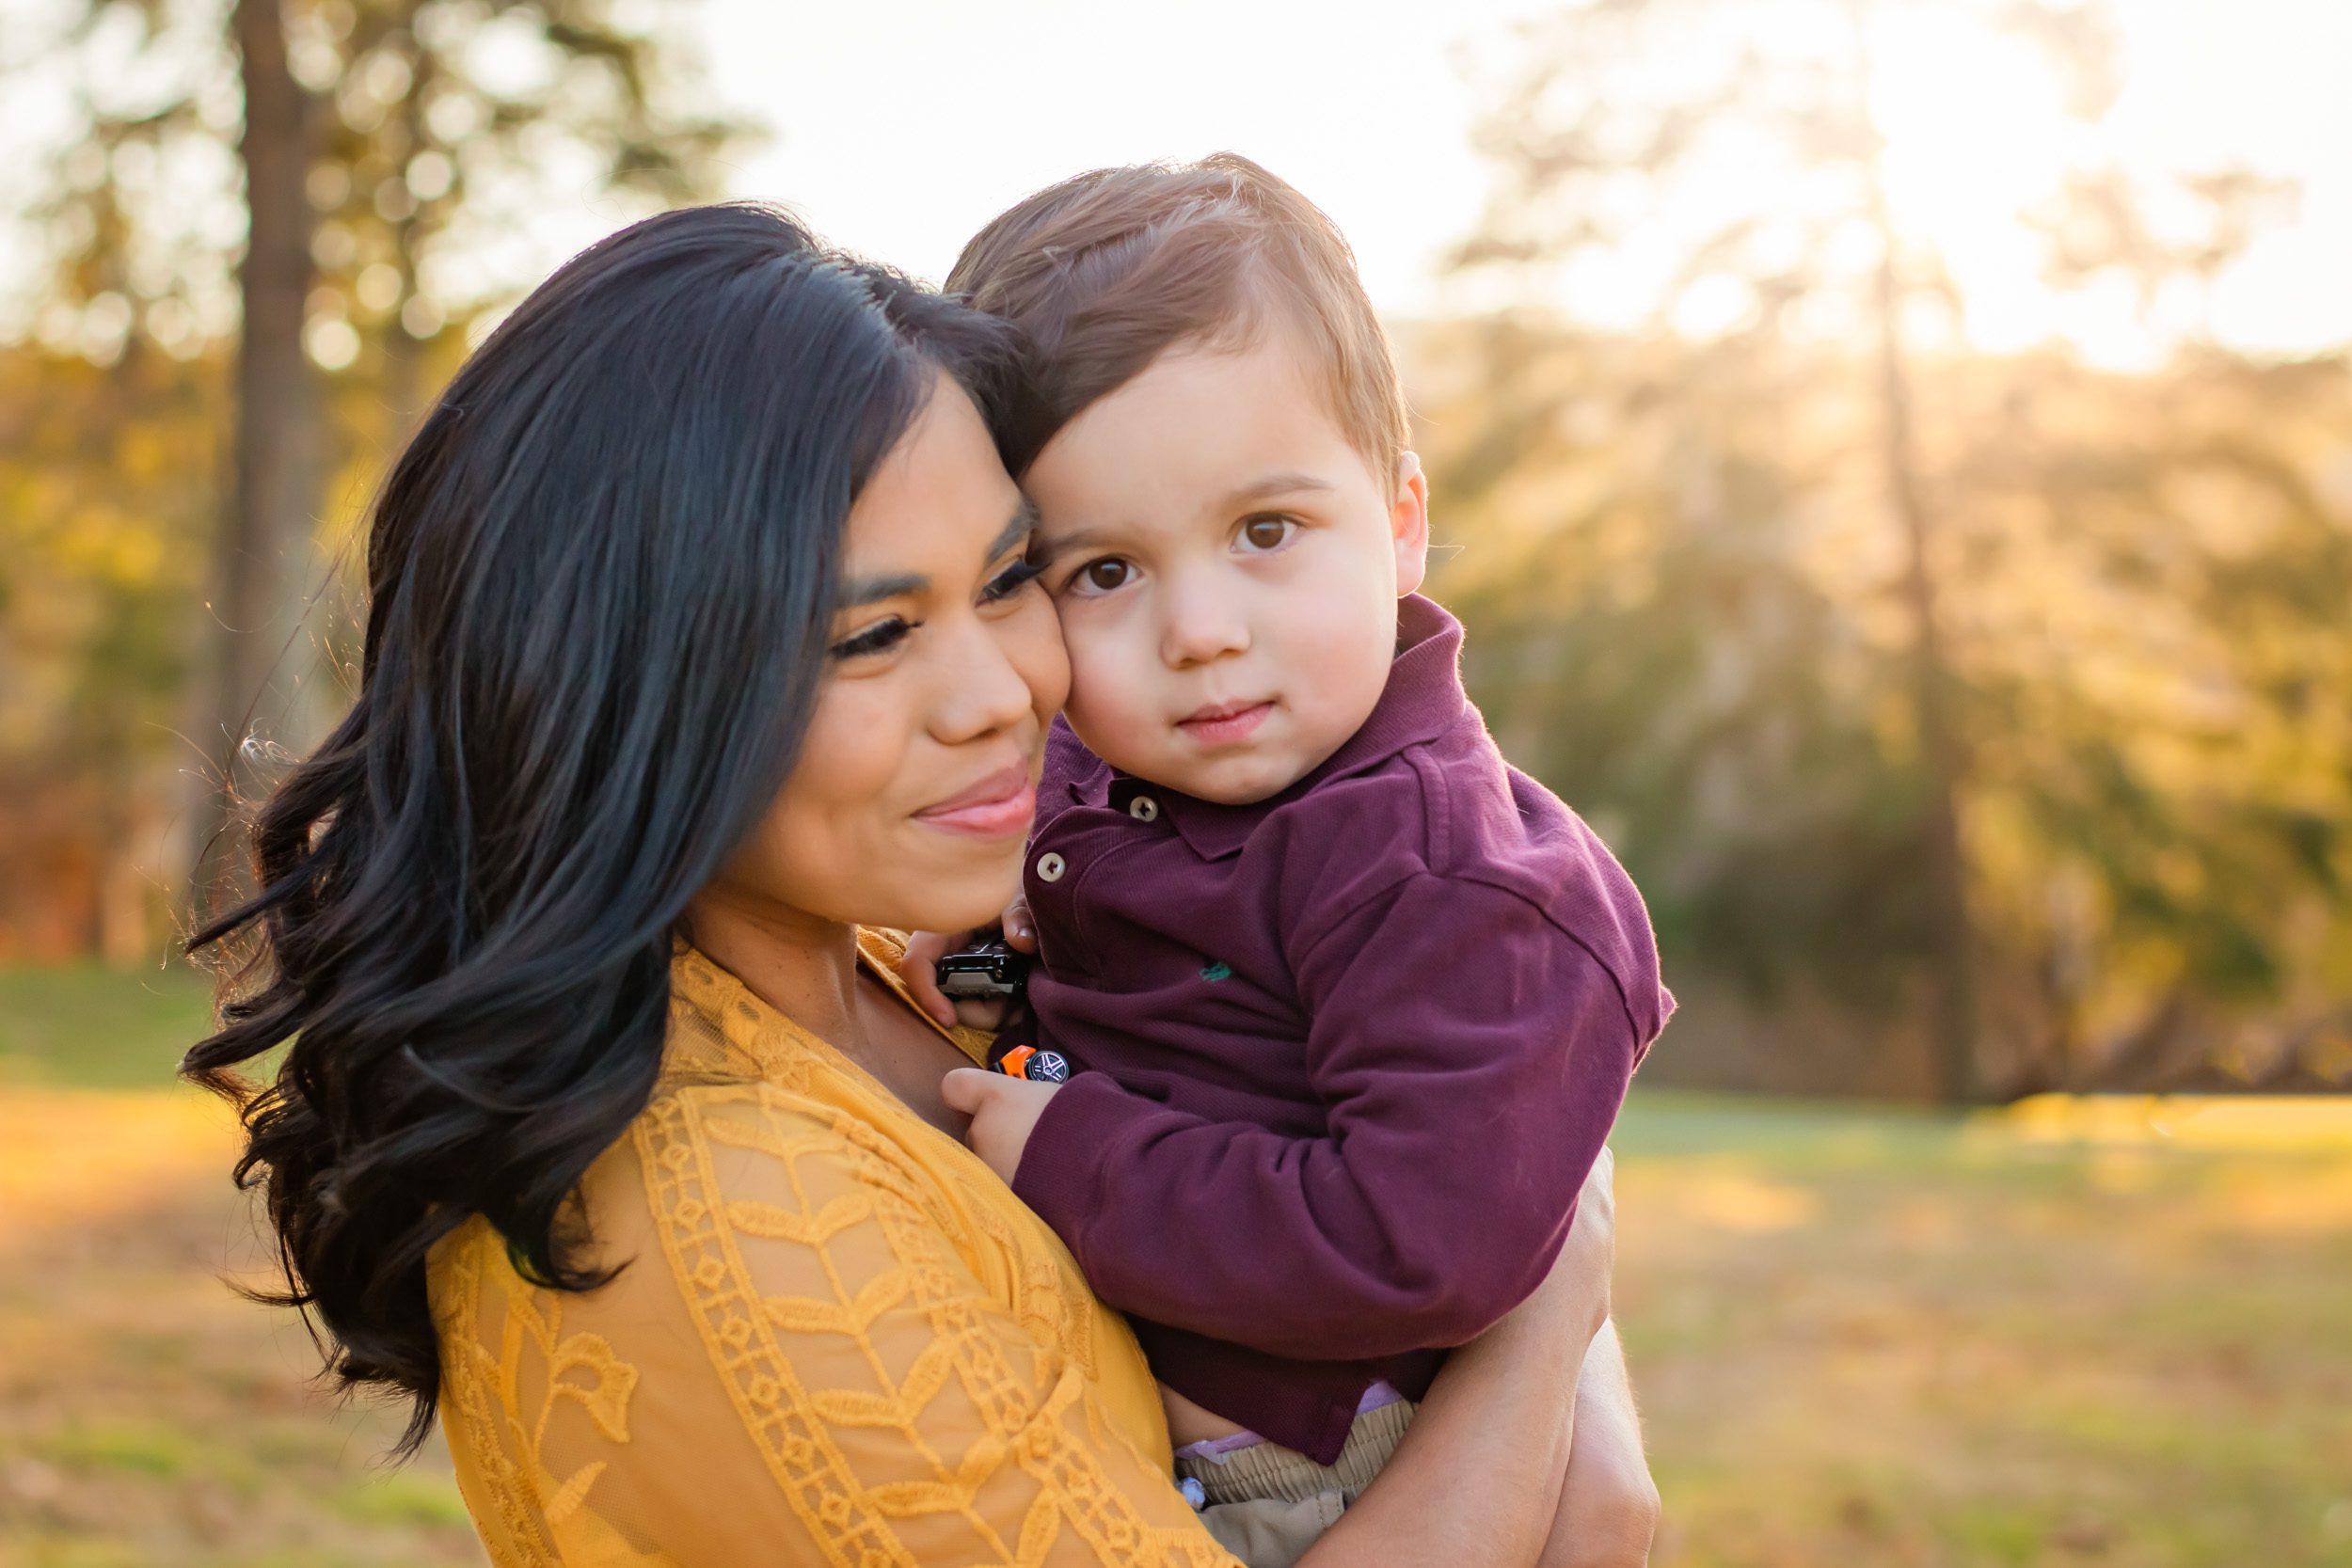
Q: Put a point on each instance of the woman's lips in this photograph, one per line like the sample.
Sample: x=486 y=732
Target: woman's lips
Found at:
x=998 y=806
x=1224 y=724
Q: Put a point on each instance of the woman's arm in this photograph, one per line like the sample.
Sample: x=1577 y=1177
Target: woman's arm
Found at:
x=1609 y=1508
x=1479 y=1475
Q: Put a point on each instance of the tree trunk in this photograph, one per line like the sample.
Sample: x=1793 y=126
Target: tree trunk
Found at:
x=1952 y=1026
x=264 y=559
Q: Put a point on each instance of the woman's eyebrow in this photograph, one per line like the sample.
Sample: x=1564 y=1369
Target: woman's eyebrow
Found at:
x=866 y=590
x=1019 y=527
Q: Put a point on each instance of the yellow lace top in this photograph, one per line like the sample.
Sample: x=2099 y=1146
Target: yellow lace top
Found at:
x=838 y=1339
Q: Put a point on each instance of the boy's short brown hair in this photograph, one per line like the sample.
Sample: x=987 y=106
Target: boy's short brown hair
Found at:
x=1108 y=269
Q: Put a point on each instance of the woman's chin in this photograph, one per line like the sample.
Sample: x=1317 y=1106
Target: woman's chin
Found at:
x=956 y=899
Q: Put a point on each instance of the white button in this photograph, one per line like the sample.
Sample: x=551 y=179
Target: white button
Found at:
x=1144 y=809
x=1050 y=866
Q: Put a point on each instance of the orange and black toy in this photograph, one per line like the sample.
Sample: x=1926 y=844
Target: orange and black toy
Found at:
x=1039 y=1067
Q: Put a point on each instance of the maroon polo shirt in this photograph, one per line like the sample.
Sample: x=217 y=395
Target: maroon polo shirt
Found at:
x=1344 y=1058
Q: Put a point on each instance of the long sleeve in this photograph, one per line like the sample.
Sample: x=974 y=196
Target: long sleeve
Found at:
x=810 y=1356
x=1472 y=1056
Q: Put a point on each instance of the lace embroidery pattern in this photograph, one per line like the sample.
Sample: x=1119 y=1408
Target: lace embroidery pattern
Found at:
x=482 y=1396
x=875 y=1225
x=792 y=1426
x=1096 y=1510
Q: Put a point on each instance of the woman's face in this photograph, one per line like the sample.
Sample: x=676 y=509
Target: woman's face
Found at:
x=914 y=788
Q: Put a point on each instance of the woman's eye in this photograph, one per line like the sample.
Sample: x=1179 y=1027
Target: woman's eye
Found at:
x=1267 y=534
x=880 y=637
x=1013 y=578
x=1104 y=575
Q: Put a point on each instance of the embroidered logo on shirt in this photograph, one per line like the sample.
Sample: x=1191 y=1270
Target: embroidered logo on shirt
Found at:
x=1217 y=972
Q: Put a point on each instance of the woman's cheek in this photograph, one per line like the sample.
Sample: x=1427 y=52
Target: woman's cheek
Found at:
x=857 y=740
x=814 y=847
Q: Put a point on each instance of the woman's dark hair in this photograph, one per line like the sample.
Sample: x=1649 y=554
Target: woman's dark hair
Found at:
x=601 y=583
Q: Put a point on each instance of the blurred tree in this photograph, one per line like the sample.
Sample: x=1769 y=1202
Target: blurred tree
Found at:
x=394 y=163
x=96 y=579
x=1719 y=644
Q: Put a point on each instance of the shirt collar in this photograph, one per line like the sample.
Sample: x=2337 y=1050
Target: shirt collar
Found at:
x=1422 y=700
x=721 y=1029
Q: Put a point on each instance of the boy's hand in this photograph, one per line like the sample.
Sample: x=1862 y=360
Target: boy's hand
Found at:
x=1004 y=1112
x=919 y=969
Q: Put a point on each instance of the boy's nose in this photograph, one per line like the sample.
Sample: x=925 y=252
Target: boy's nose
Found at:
x=1201 y=624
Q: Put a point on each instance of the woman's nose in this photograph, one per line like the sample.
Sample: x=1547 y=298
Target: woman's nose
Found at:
x=981 y=690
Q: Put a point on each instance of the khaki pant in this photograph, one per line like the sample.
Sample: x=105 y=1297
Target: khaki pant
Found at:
x=1268 y=1503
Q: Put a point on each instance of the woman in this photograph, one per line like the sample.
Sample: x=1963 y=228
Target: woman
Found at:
x=702 y=645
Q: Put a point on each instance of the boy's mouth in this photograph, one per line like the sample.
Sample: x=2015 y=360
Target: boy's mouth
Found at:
x=1224 y=724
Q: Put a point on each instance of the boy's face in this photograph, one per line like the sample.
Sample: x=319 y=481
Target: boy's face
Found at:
x=1227 y=569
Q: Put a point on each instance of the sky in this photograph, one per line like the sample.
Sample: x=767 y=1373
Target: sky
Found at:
x=900 y=129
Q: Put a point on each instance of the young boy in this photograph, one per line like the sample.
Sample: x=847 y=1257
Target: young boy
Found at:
x=1351 y=1004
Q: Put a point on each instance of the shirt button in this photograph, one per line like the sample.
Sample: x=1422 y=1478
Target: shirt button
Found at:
x=1050 y=866
x=1144 y=809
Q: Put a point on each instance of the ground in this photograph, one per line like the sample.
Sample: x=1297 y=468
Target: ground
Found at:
x=2076 y=1332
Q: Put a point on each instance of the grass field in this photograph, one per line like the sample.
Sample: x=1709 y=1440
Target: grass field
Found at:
x=2077 y=1332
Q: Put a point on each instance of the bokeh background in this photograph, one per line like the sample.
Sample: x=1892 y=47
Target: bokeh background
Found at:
x=1894 y=458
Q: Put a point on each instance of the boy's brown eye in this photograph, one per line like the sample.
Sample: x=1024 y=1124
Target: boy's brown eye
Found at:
x=1104 y=575
x=1265 y=533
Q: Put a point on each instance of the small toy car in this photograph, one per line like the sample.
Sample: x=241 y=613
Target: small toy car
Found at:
x=990 y=972
x=1039 y=1067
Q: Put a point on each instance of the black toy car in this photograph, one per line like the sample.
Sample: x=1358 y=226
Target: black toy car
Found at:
x=992 y=970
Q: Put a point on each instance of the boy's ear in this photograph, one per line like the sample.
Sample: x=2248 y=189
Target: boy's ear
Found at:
x=1408 y=524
